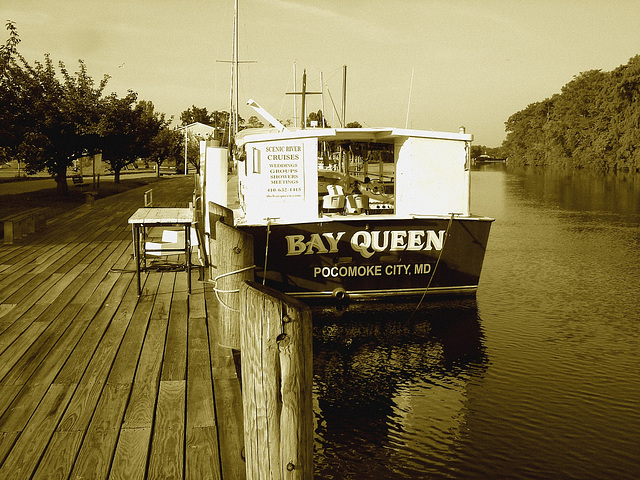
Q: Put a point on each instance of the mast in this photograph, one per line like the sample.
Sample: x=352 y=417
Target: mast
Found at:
x=304 y=99
x=234 y=108
x=344 y=95
x=295 y=99
x=324 y=124
x=304 y=94
x=235 y=75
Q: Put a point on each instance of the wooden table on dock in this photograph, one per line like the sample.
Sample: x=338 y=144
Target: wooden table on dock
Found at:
x=144 y=218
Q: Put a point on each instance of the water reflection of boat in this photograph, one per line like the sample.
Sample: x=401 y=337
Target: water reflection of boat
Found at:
x=368 y=366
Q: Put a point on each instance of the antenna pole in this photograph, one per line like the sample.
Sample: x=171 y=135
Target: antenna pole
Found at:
x=235 y=66
x=295 y=99
x=406 y=124
x=344 y=95
x=324 y=124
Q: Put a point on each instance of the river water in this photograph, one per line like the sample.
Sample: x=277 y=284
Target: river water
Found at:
x=536 y=378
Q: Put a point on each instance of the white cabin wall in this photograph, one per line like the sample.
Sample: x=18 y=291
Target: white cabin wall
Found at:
x=215 y=168
x=431 y=178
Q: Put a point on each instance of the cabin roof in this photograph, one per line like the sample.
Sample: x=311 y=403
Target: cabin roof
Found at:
x=337 y=134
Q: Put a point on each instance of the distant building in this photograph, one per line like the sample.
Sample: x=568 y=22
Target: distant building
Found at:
x=200 y=130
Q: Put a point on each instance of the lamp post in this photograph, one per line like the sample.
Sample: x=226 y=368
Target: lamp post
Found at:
x=186 y=141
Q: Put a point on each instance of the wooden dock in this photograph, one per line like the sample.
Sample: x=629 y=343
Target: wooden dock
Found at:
x=96 y=382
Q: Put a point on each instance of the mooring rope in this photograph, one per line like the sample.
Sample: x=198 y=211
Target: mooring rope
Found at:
x=217 y=290
x=266 y=252
x=435 y=268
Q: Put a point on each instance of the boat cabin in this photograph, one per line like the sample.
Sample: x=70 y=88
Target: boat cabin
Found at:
x=324 y=174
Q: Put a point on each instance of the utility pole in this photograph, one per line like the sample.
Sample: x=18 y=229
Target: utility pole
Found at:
x=304 y=94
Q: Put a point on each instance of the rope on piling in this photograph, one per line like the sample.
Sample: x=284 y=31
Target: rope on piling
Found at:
x=217 y=290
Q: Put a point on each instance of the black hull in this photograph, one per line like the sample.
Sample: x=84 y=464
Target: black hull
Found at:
x=370 y=258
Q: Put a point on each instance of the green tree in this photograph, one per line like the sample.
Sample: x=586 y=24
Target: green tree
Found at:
x=48 y=117
x=195 y=114
x=318 y=118
x=15 y=85
x=193 y=151
x=593 y=123
x=126 y=130
x=167 y=144
x=66 y=114
x=254 y=122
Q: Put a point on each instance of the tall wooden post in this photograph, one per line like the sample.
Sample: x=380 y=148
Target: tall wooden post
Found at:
x=277 y=375
x=235 y=253
x=216 y=213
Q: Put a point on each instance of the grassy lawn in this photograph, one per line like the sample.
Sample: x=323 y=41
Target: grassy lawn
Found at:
x=10 y=204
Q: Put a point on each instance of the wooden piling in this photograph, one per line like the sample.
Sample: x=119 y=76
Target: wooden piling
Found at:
x=216 y=213
x=277 y=374
x=234 y=252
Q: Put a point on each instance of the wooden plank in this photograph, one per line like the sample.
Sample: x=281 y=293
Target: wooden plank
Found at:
x=61 y=316
x=5 y=307
x=167 y=447
x=17 y=414
x=174 y=366
x=229 y=418
x=7 y=395
x=60 y=455
x=12 y=355
x=98 y=446
x=44 y=344
x=202 y=458
x=81 y=407
x=26 y=452
x=7 y=440
x=200 y=411
x=74 y=367
x=24 y=367
x=18 y=314
x=130 y=459
x=141 y=406
x=16 y=290
x=126 y=361
x=228 y=398
x=88 y=318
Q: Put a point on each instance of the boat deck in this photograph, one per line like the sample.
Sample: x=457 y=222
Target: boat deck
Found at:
x=96 y=382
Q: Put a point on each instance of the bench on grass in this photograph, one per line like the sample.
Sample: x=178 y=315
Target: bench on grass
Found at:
x=21 y=224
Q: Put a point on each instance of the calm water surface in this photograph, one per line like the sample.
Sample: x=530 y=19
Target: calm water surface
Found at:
x=536 y=378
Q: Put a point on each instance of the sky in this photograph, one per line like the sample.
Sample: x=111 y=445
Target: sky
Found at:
x=424 y=64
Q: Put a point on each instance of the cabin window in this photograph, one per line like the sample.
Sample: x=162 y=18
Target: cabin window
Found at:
x=256 y=160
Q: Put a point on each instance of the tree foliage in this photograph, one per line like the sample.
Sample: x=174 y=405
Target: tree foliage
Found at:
x=126 y=129
x=593 y=123
x=196 y=114
x=49 y=117
x=217 y=118
x=317 y=117
x=167 y=144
